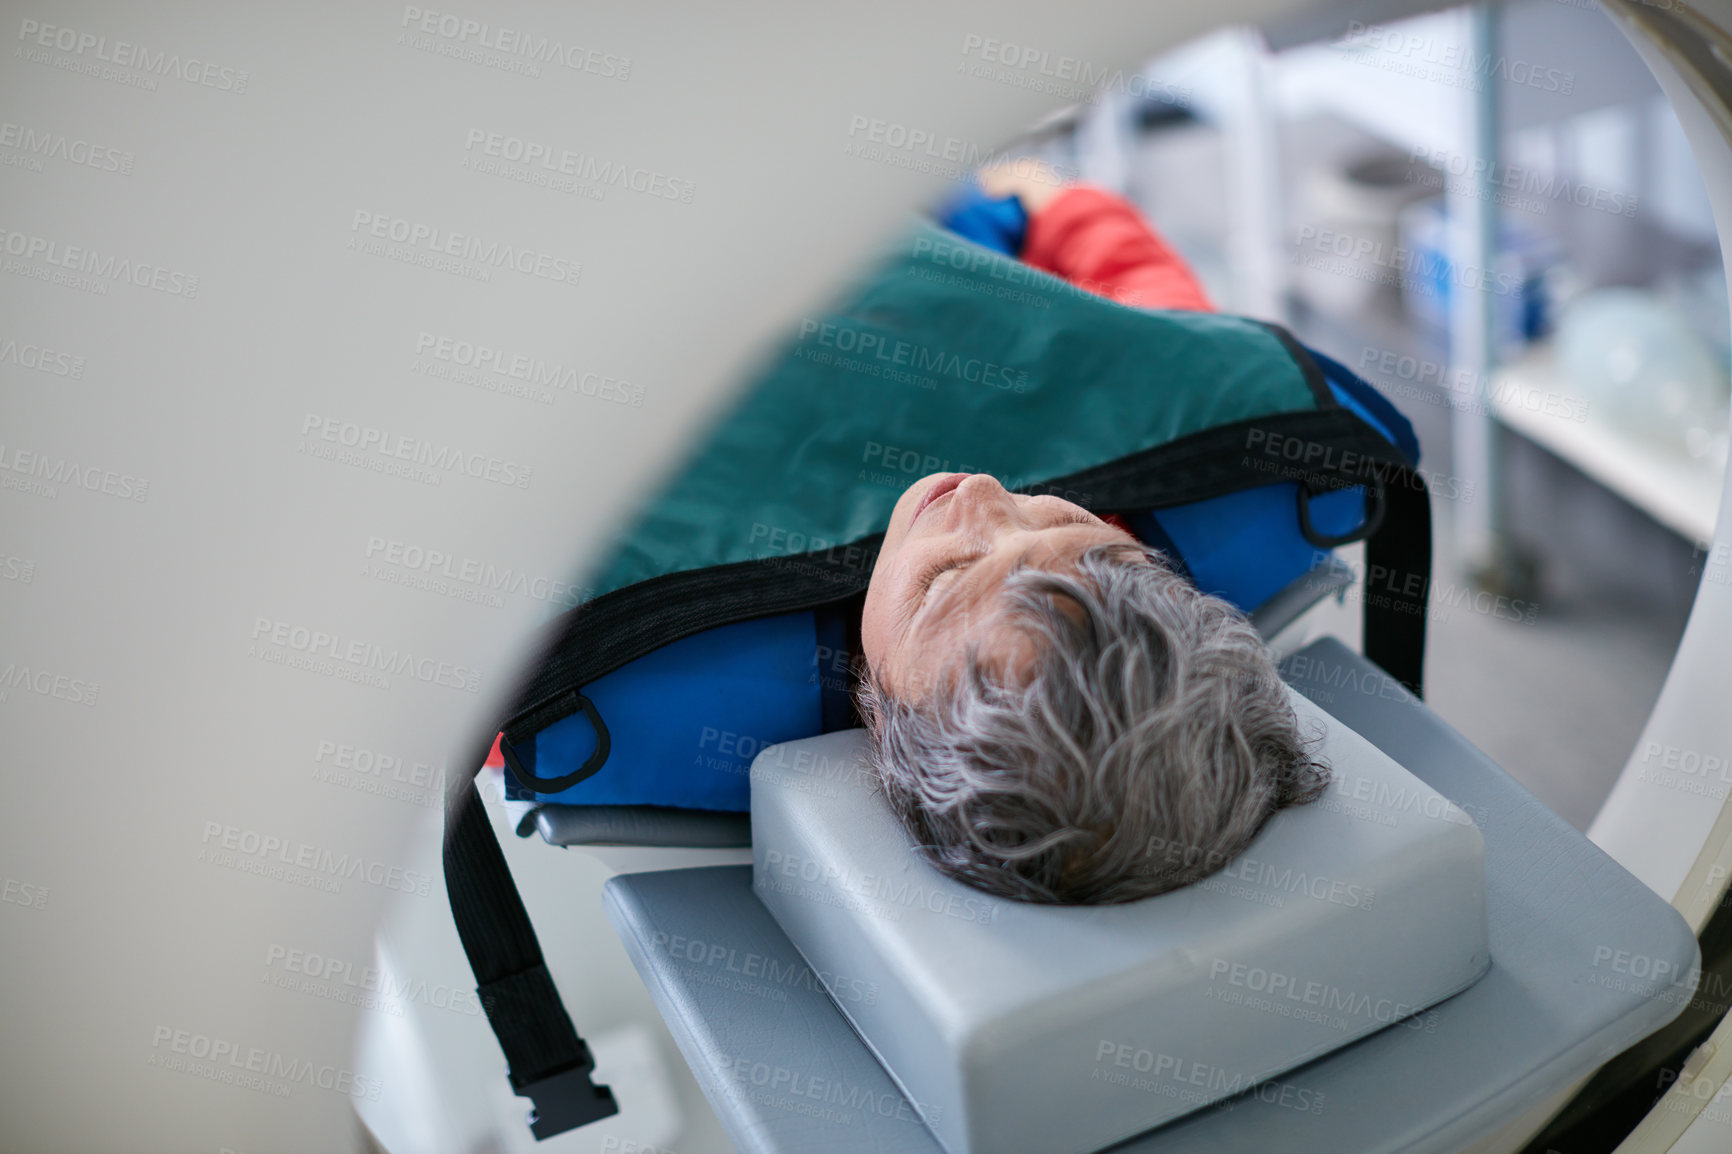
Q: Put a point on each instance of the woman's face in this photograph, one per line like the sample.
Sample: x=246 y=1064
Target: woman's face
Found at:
x=952 y=540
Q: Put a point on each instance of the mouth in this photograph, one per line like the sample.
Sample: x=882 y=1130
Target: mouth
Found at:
x=950 y=482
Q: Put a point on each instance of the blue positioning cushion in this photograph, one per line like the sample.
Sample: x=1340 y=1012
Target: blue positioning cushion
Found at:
x=1247 y=546
x=997 y=223
x=686 y=720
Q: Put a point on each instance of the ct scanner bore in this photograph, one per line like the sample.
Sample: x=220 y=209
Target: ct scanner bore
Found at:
x=251 y=158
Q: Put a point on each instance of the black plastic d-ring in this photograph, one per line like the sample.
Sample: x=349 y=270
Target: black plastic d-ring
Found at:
x=570 y=703
x=1374 y=508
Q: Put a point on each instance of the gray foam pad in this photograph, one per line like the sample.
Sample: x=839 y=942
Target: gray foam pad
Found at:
x=1291 y=602
x=786 y=1073
x=568 y=825
x=1340 y=918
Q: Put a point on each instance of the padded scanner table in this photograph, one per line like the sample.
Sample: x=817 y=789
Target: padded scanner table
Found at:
x=787 y=1074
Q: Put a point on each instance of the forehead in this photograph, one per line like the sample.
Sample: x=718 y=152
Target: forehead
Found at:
x=1004 y=646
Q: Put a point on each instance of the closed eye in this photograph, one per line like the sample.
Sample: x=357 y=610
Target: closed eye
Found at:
x=931 y=573
x=1072 y=515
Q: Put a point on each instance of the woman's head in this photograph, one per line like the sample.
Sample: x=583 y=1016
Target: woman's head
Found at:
x=1056 y=714
x=938 y=585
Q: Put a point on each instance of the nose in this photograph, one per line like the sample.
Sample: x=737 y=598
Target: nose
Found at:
x=982 y=503
x=983 y=484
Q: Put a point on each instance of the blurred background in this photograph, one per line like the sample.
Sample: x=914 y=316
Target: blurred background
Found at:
x=1574 y=436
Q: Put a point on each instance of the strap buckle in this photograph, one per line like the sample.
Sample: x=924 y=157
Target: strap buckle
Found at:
x=566 y=1100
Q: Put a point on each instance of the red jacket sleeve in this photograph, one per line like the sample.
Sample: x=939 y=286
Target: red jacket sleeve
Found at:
x=1100 y=242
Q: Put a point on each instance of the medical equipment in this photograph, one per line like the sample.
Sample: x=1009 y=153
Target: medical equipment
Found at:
x=1585 y=961
x=1282 y=454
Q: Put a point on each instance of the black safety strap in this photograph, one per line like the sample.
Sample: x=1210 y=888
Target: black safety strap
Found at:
x=546 y=1060
x=1398 y=579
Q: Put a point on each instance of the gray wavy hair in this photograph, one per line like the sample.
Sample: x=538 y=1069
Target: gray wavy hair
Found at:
x=1150 y=742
